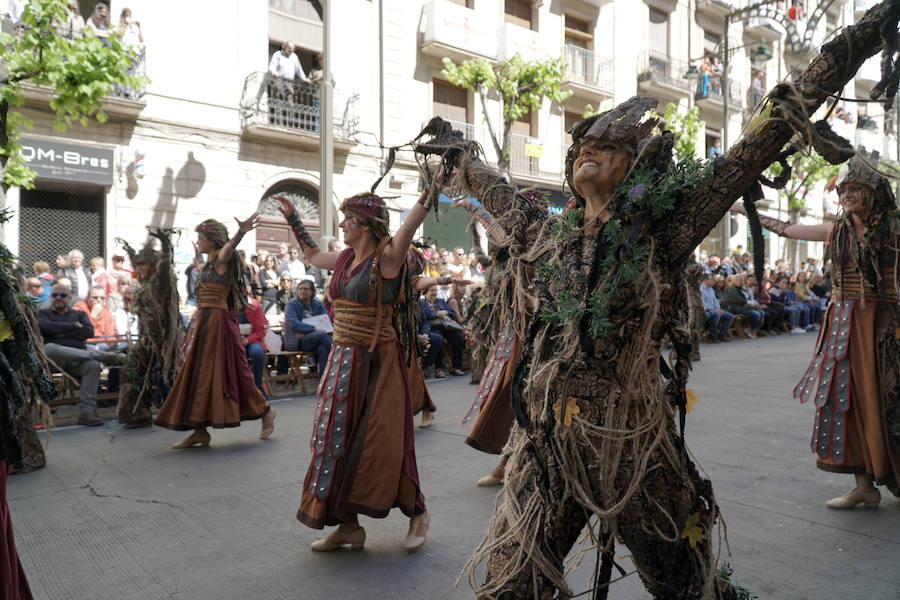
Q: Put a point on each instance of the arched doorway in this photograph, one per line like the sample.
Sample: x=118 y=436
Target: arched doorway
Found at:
x=273 y=229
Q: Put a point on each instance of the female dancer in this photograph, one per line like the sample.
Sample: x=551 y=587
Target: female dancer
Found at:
x=364 y=458
x=854 y=374
x=214 y=386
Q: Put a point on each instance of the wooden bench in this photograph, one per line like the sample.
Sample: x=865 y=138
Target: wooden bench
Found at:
x=297 y=372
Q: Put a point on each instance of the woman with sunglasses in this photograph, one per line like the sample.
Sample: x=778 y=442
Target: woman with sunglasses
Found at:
x=214 y=386
x=364 y=458
x=285 y=293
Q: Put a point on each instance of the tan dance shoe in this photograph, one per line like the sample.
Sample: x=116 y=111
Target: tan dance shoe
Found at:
x=418 y=530
x=268 y=425
x=427 y=419
x=198 y=438
x=495 y=477
x=854 y=497
x=338 y=538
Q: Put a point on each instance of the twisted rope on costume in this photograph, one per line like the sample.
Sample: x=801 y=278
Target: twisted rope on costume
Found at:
x=354 y=323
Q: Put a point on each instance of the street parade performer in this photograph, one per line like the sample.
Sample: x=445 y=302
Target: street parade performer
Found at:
x=595 y=443
x=363 y=447
x=21 y=373
x=214 y=386
x=153 y=360
x=854 y=376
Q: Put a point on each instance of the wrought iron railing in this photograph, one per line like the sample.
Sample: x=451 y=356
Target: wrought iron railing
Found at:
x=587 y=67
x=656 y=66
x=267 y=100
x=534 y=157
x=713 y=89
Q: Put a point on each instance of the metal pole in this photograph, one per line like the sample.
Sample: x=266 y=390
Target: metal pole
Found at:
x=725 y=61
x=326 y=128
x=725 y=224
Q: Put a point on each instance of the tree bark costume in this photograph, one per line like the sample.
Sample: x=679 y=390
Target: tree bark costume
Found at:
x=153 y=360
x=596 y=442
x=21 y=373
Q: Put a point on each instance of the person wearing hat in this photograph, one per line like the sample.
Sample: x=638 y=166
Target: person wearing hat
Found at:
x=363 y=459
x=594 y=293
x=214 y=386
x=854 y=375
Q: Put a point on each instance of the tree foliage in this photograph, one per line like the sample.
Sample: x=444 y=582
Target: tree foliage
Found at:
x=806 y=171
x=520 y=85
x=77 y=70
x=685 y=126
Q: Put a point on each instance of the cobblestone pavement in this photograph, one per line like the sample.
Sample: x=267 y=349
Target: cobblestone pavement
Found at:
x=118 y=515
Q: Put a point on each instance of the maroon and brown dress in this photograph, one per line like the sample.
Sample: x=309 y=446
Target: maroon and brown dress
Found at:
x=363 y=453
x=214 y=386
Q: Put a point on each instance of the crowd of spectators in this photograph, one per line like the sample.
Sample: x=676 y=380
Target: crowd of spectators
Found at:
x=783 y=300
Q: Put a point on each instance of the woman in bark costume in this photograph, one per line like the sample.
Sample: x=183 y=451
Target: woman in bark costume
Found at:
x=363 y=451
x=152 y=361
x=854 y=376
x=595 y=442
x=214 y=386
x=21 y=373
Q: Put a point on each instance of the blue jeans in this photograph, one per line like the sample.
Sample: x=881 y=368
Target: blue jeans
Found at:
x=719 y=323
x=319 y=343
x=756 y=316
x=794 y=312
x=435 y=350
x=257 y=356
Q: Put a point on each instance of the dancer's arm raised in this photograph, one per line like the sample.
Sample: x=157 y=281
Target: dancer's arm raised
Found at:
x=394 y=254
x=223 y=258
x=310 y=249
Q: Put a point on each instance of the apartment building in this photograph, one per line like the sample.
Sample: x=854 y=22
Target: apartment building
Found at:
x=209 y=136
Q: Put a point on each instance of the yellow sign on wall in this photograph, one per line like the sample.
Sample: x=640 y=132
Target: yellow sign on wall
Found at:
x=534 y=148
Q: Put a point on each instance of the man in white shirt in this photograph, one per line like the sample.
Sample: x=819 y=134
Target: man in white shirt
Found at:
x=286 y=65
x=286 y=71
x=295 y=266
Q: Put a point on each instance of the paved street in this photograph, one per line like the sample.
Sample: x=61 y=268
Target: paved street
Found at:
x=118 y=515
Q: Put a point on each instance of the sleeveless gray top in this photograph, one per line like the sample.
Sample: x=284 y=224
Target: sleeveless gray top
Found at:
x=356 y=288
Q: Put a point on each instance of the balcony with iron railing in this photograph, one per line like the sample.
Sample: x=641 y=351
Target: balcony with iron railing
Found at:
x=587 y=74
x=710 y=94
x=276 y=109
x=120 y=100
x=658 y=72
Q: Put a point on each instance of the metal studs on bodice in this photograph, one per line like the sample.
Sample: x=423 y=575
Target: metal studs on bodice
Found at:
x=330 y=423
x=490 y=377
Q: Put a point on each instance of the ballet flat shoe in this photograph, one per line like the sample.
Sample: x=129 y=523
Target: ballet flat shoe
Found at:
x=418 y=523
x=266 y=432
x=854 y=497
x=338 y=538
x=200 y=439
x=427 y=419
x=490 y=480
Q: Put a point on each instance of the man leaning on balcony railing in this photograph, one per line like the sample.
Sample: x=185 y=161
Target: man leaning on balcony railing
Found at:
x=285 y=71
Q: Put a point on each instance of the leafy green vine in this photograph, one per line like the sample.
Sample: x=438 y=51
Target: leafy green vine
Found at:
x=648 y=192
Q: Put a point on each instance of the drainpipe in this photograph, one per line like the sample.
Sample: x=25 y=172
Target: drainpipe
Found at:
x=326 y=128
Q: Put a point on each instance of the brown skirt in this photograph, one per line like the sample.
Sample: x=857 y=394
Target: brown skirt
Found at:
x=364 y=458
x=867 y=447
x=13 y=584
x=214 y=387
x=491 y=429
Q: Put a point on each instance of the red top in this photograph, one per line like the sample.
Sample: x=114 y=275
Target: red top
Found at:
x=104 y=324
x=258 y=323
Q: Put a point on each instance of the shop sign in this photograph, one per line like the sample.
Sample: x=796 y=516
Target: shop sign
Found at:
x=68 y=162
x=534 y=147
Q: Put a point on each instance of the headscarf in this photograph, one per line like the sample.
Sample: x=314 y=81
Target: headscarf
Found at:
x=214 y=231
x=370 y=210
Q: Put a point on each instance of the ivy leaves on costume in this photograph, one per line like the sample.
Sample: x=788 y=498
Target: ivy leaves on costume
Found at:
x=645 y=197
x=20 y=368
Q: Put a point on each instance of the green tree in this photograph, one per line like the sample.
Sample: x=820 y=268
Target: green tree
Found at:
x=520 y=85
x=685 y=126
x=807 y=170
x=78 y=71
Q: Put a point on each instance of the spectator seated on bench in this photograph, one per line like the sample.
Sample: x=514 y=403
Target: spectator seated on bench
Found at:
x=65 y=332
x=303 y=336
x=253 y=325
x=106 y=335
